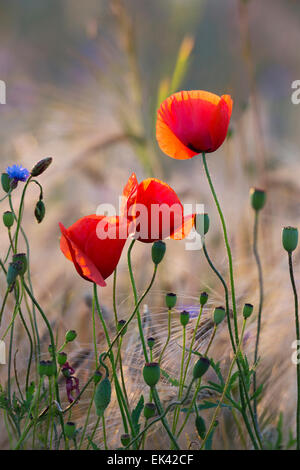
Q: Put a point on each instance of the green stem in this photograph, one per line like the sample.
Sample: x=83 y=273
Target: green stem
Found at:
x=298 y=342
x=168 y=337
x=163 y=420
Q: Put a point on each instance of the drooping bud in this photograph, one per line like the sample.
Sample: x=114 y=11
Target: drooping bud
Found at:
x=39 y=211
x=200 y=367
x=202 y=224
x=8 y=219
x=5 y=182
x=184 y=317
x=102 y=396
x=203 y=298
x=125 y=439
x=158 y=251
x=258 y=198
x=41 y=166
x=171 y=300
x=70 y=429
x=290 y=238
x=61 y=358
x=219 y=314
x=151 y=373
x=121 y=324
x=247 y=310
x=70 y=336
x=149 y=410
x=150 y=342
x=200 y=426
x=97 y=377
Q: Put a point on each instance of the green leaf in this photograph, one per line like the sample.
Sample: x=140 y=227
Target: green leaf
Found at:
x=136 y=413
x=171 y=380
x=94 y=446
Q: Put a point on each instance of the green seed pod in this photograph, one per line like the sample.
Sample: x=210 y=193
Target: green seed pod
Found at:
x=200 y=426
x=17 y=267
x=184 y=318
x=39 y=211
x=70 y=429
x=125 y=439
x=200 y=367
x=42 y=368
x=61 y=358
x=247 y=310
x=12 y=273
x=70 y=336
x=149 y=410
x=158 y=251
x=41 y=166
x=151 y=373
x=21 y=260
x=203 y=298
x=121 y=324
x=97 y=377
x=258 y=198
x=5 y=182
x=219 y=314
x=202 y=224
x=171 y=300
x=150 y=342
x=102 y=396
x=50 y=368
x=8 y=219
x=290 y=238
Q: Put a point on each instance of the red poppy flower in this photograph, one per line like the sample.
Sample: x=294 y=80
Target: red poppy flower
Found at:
x=192 y=122
x=155 y=212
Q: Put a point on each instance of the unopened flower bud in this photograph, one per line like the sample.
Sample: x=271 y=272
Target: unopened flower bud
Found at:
x=125 y=439
x=200 y=426
x=39 y=211
x=171 y=300
x=203 y=298
x=219 y=314
x=50 y=368
x=151 y=373
x=258 y=198
x=202 y=224
x=8 y=219
x=150 y=342
x=121 y=324
x=184 y=317
x=41 y=166
x=102 y=396
x=61 y=358
x=247 y=310
x=16 y=268
x=5 y=182
x=290 y=238
x=200 y=367
x=70 y=429
x=42 y=368
x=158 y=251
x=97 y=377
x=21 y=260
x=70 y=336
x=149 y=410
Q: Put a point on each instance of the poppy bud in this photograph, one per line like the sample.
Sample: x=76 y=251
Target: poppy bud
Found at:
x=70 y=336
x=258 y=198
x=219 y=314
x=290 y=238
x=247 y=310
x=61 y=358
x=150 y=342
x=200 y=426
x=70 y=429
x=42 y=368
x=17 y=267
x=151 y=373
x=125 y=439
x=203 y=298
x=8 y=219
x=158 y=251
x=171 y=300
x=200 y=367
x=184 y=317
x=50 y=368
x=120 y=325
x=13 y=183
x=202 y=224
x=102 y=396
x=41 y=166
x=39 y=211
x=149 y=410
x=5 y=182
x=97 y=377
x=12 y=273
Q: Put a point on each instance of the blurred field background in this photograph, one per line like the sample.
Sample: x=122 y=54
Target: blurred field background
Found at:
x=84 y=80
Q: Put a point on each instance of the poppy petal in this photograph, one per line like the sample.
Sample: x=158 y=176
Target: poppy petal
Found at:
x=182 y=232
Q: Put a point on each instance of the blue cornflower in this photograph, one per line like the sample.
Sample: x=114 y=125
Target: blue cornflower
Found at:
x=17 y=172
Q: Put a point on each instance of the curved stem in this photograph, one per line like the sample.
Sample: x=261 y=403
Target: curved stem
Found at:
x=298 y=342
